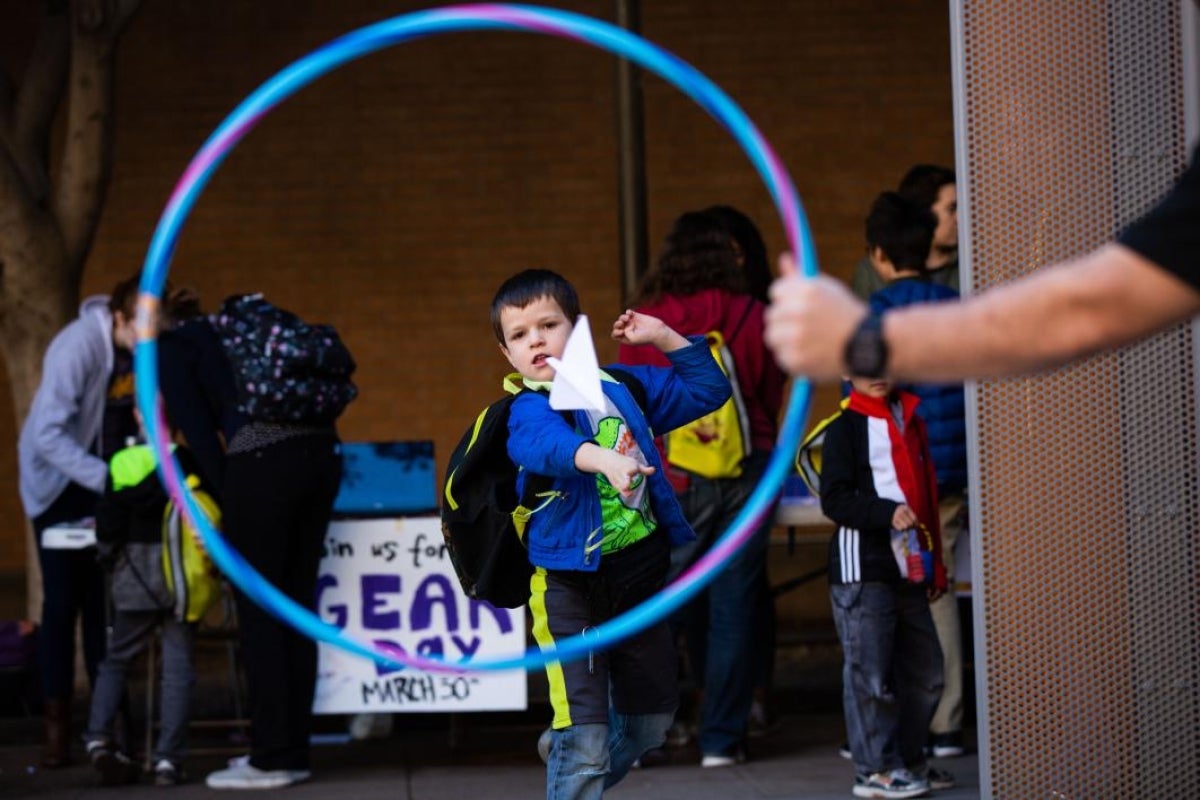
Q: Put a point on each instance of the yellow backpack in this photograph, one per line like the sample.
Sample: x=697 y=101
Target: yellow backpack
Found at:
x=808 y=455
x=192 y=579
x=714 y=445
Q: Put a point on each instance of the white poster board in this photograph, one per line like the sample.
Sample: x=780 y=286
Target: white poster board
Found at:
x=390 y=582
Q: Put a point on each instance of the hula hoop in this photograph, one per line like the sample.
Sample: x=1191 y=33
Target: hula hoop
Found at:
x=362 y=42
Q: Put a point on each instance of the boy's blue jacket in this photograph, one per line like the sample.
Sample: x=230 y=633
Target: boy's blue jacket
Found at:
x=942 y=406
x=566 y=534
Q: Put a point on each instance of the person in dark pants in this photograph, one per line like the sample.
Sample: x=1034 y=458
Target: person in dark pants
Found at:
x=72 y=587
x=698 y=286
x=278 y=498
x=80 y=415
x=276 y=482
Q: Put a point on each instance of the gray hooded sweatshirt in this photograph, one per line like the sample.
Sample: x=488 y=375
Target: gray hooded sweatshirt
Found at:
x=59 y=438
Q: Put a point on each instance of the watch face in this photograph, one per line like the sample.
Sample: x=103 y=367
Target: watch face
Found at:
x=866 y=352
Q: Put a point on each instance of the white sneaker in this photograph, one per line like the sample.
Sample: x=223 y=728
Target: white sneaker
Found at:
x=371 y=726
x=898 y=784
x=717 y=760
x=244 y=775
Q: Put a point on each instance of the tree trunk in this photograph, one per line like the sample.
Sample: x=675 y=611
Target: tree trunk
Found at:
x=48 y=223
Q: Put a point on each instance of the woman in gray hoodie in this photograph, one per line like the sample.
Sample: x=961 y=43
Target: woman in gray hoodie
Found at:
x=82 y=412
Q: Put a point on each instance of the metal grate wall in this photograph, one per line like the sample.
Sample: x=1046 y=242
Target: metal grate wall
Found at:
x=1071 y=122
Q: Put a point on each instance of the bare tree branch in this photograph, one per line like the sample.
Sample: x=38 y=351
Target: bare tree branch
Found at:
x=6 y=101
x=87 y=155
x=14 y=195
x=36 y=102
x=42 y=86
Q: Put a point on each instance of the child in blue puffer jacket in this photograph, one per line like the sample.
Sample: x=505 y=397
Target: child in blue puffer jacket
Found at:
x=600 y=546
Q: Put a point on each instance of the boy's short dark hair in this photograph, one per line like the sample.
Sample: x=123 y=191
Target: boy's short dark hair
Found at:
x=902 y=229
x=533 y=284
x=922 y=183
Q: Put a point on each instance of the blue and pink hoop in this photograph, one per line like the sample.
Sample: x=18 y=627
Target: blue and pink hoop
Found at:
x=363 y=42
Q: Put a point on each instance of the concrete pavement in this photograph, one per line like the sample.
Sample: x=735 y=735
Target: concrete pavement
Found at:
x=486 y=757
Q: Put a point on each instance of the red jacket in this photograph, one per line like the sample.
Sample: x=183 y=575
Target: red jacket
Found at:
x=739 y=318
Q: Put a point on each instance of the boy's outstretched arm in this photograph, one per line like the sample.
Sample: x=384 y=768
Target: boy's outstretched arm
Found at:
x=620 y=470
x=633 y=328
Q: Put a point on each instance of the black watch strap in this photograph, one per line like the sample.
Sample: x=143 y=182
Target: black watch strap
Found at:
x=866 y=353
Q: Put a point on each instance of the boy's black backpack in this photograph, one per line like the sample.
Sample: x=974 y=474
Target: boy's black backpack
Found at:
x=483 y=520
x=286 y=369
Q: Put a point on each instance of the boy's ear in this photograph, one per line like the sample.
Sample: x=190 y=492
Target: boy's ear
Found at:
x=505 y=353
x=881 y=263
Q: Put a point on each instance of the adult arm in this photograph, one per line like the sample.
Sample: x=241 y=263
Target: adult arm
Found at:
x=1110 y=297
x=56 y=407
x=188 y=407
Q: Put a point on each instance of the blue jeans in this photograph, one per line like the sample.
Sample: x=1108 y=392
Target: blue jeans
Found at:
x=131 y=632
x=587 y=759
x=720 y=624
x=892 y=672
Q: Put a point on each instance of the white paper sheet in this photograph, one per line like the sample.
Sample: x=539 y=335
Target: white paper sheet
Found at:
x=577 y=375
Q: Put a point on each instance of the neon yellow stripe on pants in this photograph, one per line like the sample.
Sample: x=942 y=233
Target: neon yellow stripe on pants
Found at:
x=545 y=640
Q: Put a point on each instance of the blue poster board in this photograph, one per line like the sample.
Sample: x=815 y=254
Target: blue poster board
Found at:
x=386 y=479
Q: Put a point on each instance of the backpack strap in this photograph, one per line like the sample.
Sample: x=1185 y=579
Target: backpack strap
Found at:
x=631 y=383
x=536 y=484
x=745 y=315
x=808 y=455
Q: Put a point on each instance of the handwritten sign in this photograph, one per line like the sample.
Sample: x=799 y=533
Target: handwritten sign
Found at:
x=390 y=582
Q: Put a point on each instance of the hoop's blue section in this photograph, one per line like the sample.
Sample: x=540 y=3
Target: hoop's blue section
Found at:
x=363 y=42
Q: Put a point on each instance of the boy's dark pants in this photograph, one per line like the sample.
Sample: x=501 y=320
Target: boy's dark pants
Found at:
x=892 y=673
x=277 y=503
x=611 y=707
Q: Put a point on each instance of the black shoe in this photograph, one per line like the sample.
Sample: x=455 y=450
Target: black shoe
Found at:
x=946 y=745
x=167 y=773
x=654 y=757
x=115 y=768
x=844 y=751
x=936 y=778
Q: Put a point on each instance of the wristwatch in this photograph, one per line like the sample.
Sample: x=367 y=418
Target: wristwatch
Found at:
x=866 y=353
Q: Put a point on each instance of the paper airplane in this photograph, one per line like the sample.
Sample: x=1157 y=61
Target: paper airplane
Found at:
x=577 y=376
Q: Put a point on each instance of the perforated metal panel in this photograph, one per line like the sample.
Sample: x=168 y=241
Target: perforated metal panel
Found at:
x=1071 y=122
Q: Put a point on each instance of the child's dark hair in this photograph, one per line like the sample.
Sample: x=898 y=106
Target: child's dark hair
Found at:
x=754 y=250
x=123 y=297
x=902 y=229
x=177 y=304
x=698 y=254
x=533 y=284
x=922 y=183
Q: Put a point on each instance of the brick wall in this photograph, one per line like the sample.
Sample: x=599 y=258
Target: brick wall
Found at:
x=391 y=197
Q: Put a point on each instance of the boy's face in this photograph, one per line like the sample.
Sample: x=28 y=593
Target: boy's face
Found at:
x=946 y=209
x=872 y=387
x=124 y=331
x=532 y=333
